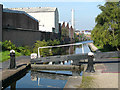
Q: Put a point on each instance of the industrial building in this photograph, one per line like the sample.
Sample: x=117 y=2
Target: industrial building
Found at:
x=18 y=20
x=21 y=28
x=48 y=17
x=0 y=23
x=68 y=30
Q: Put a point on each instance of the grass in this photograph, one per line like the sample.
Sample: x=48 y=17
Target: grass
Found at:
x=106 y=50
x=87 y=82
x=5 y=55
x=116 y=57
x=102 y=49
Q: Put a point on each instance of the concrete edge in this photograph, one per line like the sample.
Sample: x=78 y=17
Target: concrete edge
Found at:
x=73 y=82
x=55 y=67
x=93 y=48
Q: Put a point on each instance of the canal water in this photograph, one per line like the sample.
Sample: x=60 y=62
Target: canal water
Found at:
x=50 y=79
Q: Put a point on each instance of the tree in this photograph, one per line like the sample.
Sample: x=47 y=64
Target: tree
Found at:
x=107 y=29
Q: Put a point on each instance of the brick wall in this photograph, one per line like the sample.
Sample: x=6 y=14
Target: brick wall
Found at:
x=27 y=37
x=19 y=20
x=1 y=7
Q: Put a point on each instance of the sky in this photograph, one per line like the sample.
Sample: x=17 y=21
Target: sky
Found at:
x=85 y=12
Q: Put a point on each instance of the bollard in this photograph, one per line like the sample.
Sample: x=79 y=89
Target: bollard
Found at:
x=12 y=59
x=33 y=56
x=90 y=67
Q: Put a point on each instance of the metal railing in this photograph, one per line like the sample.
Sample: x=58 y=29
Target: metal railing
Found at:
x=75 y=44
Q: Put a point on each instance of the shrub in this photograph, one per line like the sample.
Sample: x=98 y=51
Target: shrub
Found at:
x=45 y=51
x=24 y=50
x=8 y=45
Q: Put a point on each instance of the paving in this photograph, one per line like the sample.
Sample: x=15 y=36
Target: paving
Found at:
x=19 y=60
x=73 y=82
x=107 y=72
x=104 y=77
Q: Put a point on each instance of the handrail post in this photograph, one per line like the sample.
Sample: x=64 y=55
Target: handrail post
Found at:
x=82 y=49
x=38 y=53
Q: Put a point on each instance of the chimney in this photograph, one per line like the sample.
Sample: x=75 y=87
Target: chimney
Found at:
x=72 y=21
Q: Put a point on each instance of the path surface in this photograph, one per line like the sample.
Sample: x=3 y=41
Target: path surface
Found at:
x=73 y=82
x=106 y=75
x=111 y=65
x=107 y=71
x=106 y=80
x=19 y=60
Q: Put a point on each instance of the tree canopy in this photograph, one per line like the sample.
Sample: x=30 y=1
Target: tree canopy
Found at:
x=107 y=30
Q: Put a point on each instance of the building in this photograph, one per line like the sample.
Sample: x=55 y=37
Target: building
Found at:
x=0 y=23
x=67 y=31
x=21 y=28
x=77 y=32
x=86 y=32
x=48 y=17
x=71 y=33
x=18 y=20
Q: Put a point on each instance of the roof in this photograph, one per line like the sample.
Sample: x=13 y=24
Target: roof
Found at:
x=77 y=30
x=36 y=9
x=21 y=12
x=65 y=23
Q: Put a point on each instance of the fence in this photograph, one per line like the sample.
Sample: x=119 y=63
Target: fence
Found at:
x=39 y=55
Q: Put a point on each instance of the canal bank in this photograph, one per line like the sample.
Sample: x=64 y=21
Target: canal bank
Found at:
x=102 y=78
x=23 y=65
x=8 y=76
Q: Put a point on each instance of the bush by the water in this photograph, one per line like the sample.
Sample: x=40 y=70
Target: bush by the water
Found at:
x=27 y=50
x=8 y=45
x=45 y=51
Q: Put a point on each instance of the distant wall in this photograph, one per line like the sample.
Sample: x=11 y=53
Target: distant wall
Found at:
x=27 y=37
x=1 y=7
x=19 y=20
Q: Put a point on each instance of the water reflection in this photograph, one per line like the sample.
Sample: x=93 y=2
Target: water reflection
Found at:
x=43 y=79
x=53 y=76
x=13 y=86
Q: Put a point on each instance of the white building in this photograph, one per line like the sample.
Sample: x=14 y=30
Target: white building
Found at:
x=48 y=17
x=86 y=32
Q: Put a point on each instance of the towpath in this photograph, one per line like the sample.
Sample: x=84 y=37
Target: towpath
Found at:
x=19 y=61
x=107 y=73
